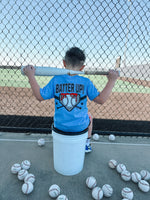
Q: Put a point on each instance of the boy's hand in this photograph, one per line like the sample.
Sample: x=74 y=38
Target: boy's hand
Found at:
x=29 y=70
x=113 y=75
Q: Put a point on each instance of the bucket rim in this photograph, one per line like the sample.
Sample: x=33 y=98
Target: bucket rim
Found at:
x=69 y=133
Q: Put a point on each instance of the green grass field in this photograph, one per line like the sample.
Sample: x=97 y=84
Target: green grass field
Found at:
x=14 y=78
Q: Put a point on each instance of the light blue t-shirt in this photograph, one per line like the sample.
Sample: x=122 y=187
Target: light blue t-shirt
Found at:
x=70 y=93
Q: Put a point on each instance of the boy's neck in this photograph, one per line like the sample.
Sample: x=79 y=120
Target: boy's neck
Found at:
x=73 y=69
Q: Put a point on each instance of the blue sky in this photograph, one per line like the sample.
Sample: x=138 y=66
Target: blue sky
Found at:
x=39 y=32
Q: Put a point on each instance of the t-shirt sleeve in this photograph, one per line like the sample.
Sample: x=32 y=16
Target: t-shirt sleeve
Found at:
x=47 y=92
x=92 y=91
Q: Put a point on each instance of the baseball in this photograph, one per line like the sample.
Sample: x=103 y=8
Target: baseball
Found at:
x=29 y=178
x=27 y=188
x=120 y=168
x=145 y=175
x=143 y=186
x=126 y=175
x=107 y=190
x=97 y=193
x=25 y=164
x=41 y=142
x=54 y=191
x=125 y=199
x=15 y=168
x=91 y=182
x=62 y=197
x=112 y=164
x=112 y=137
x=95 y=136
x=127 y=193
x=22 y=174
x=135 y=177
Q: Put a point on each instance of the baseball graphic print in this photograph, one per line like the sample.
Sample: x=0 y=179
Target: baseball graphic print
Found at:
x=69 y=95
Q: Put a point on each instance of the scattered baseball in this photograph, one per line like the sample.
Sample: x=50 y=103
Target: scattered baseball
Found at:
x=54 y=191
x=15 y=168
x=112 y=164
x=112 y=137
x=126 y=175
x=120 y=168
x=22 y=174
x=107 y=190
x=127 y=193
x=27 y=188
x=143 y=186
x=62 y=197
x=91 y=182
x=95 y=136
x=25 y=164
x=145 y=175
x=41 y=142
x=97 y=193
x=29 y=178
x=135 y=177
x=125 y=199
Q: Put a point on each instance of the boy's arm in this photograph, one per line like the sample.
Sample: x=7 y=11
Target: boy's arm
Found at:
x=105 y=93
x=30 y=71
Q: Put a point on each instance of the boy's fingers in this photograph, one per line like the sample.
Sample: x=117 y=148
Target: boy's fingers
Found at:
x=32 y=68
x=24 y=69
x=28 y=67
x=113 y=73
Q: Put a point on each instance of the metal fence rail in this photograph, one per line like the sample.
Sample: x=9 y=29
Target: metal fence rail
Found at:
x=39 y=33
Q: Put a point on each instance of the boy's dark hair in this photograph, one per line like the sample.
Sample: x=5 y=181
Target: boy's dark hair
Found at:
x=75 y=57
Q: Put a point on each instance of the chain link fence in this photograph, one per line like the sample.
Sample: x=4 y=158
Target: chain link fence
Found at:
x=40 y=32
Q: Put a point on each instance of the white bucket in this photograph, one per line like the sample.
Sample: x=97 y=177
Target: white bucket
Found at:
x=69 y=153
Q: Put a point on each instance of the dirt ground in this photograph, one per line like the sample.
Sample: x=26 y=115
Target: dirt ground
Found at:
x=123 y=106
x=136 y=81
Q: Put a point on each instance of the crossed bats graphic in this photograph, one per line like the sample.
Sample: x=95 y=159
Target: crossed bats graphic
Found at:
x=81 y=98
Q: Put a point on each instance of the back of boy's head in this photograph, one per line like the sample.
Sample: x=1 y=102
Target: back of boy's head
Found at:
x=75 y=57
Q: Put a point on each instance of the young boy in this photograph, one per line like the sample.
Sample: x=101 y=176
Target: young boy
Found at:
x=70 y=93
